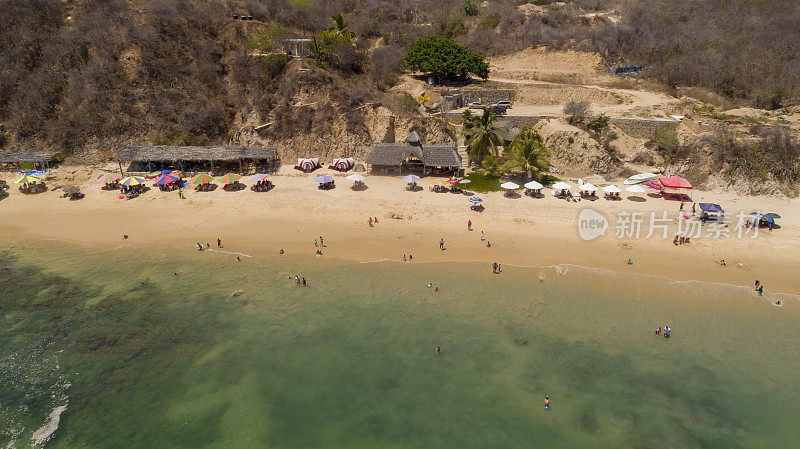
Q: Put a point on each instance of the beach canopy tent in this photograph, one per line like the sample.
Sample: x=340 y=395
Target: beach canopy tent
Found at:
x=324 y=179
x=149 y=157
x=28 y=160
x=711 y=208
x=711 y=211
x=356 y=177
x=307 y=165
x=561 y=185
x=588 y=187
x=611 y=189
x=413 y=155
x=343 y=164
x=509 y=185
x=410 y=178
x=533 y=185
x=475 y=200
x=675 y=183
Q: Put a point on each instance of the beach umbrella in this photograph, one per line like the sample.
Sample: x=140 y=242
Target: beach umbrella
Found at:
x=132 y=181
x=611 y=189
x=464 y=181
x=107 y=178
x=588 y=187
x=37 y=173
x=772 y=215
x=356 y=177
x=561 y=185
x=153 y=174
x=533 y=185
x=323 y=179
x=438 y=182
x=166 y=178
x=258 y=177
x=230 y=178
x=411 y=178
x=475 y=200
x=635 y=189
x=27 y=179
x=509 y=185
x=202 y=179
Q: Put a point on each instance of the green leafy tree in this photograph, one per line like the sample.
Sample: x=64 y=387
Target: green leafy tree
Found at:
x=339 y=28
x=527 y=153
x=483 y=138
x=490 y=166
x=440 y=56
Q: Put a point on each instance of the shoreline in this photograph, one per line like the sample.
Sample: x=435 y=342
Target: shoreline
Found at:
x=524 y=232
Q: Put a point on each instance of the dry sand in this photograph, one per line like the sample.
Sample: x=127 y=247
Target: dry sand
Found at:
x=523 y=231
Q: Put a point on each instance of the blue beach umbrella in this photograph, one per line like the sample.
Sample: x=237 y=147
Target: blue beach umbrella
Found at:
x=475 y=200
x=323 y=179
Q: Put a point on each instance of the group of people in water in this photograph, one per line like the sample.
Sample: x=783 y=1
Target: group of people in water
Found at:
x=665 y=332
x=495 y=268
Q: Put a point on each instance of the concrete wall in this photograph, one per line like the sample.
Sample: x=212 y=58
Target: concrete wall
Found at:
x=487 y=96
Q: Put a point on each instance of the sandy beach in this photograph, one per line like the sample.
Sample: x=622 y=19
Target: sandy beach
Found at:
x=523 y=231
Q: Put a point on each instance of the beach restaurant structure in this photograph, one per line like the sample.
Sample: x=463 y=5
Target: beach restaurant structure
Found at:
x=150 y=157
x=28 y=160
x=412 y=155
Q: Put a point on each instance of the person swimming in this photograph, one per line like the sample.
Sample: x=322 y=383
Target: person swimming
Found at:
x=667 y=331
x=547 y=402
x=658 y=331
x=438 y=350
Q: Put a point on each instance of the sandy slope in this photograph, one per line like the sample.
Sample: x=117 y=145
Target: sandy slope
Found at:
x=523 y=231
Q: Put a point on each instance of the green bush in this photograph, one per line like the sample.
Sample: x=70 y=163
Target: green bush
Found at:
x=438 y=55
x=450 y=28
x=275 y=64
x=267 y=41
x=489 y=22
x=599 y=124
x=471 y=8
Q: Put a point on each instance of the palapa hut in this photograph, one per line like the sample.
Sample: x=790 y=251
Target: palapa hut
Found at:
x=152 y=157
x=29 y=160
x=412 y=155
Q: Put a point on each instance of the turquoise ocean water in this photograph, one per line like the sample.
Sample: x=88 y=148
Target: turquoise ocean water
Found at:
x=111 y=349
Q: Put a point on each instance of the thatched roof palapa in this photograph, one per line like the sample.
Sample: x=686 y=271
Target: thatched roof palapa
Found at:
x=27 y=156
x=430 y=155
x=166 y=153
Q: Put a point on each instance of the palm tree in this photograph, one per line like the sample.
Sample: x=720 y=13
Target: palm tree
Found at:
x=340 y=25
x=482 y=136
x=528 y=153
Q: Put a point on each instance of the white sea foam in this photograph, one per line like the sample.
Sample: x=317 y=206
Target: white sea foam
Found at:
x=43 y=433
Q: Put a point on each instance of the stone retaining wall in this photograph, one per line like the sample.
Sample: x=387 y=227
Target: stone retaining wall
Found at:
x=639 y=128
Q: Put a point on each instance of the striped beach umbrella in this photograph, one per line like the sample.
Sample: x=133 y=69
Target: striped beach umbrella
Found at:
x=107 y=178
x=230 y=178
x=166 y=178
x=27 y=179
x=153 y=174
x=438 y=182
x=258 y=177
x=132 y=181
x=202 y=179
x=475 y=200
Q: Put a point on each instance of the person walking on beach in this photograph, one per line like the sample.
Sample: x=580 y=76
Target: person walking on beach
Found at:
x=494 y=267
x=321 y=242
x=219 y=243
x=180 y=193
x=469 y=225
x=682 y=203
x=441 y=244
x=757 y=284
x=481 y=236
x=693 y=207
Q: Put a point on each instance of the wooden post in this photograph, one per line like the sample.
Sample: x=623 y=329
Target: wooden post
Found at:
x=121 y=173
x=240 y=166
x=212 y=166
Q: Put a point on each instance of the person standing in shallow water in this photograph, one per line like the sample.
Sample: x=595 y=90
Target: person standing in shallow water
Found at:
x=547 y=402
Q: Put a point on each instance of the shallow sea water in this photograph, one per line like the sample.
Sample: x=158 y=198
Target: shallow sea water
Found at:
x=111 y=349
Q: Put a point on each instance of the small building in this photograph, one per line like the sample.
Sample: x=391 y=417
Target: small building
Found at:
x=297 y=47
x=413 y=156
x=28 y=160
x=197 y=158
